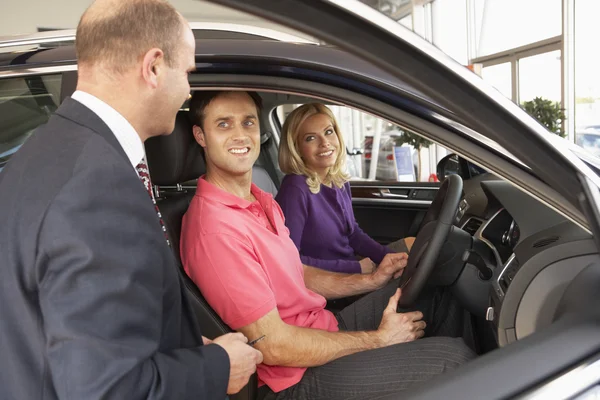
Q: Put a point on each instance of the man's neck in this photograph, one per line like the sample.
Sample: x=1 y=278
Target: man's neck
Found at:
x=236 y=185
x=112 y=95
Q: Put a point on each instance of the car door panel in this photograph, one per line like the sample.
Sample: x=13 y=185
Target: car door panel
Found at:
x=388 y=211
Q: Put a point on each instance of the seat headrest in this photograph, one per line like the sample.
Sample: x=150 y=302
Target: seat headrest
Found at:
x=175 y=158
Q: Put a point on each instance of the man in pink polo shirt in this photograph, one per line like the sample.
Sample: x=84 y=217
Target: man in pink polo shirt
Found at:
x=236 y=248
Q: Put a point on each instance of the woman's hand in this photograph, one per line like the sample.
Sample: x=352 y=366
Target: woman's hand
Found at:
x=391 y=267
x=367 y=265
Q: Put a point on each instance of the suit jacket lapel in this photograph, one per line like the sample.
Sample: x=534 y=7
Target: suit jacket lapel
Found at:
x=80 y=114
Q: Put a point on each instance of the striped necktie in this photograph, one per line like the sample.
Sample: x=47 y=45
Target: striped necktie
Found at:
x=143 y=173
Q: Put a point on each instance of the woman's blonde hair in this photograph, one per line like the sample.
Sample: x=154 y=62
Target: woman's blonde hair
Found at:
x=290 y=160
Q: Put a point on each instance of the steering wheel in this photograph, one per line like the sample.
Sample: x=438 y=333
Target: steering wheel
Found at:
x=433 y=232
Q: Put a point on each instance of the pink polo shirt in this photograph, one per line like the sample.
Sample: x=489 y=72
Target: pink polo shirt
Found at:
x=240 y=255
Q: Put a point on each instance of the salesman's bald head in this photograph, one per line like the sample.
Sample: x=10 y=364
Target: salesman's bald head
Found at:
x=117 y=33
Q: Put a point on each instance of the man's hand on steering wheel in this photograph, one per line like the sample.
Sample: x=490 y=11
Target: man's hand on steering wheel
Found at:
x=398 y=327
x=390 y=267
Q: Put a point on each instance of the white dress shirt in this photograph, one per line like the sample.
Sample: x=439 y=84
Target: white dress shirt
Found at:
x=124 y=132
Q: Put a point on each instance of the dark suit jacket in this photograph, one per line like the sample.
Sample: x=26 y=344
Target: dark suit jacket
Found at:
x=91 y=304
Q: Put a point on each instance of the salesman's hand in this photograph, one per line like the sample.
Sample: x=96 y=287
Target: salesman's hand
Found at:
x=242 y=359
x=392 y=265
x=400 y=327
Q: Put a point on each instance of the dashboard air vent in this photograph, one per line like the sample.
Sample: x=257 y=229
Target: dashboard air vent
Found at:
x=545 y=241
x=472 y=226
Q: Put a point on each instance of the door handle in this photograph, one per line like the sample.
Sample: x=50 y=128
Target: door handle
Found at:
x=385 y=194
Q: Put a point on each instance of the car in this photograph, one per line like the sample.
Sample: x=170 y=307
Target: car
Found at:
x=522 y=246
x=589 y=139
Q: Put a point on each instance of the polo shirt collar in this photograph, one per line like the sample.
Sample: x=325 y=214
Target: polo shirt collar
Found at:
x=208 y=190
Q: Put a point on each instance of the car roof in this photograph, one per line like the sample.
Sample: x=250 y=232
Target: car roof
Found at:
x=264 y=51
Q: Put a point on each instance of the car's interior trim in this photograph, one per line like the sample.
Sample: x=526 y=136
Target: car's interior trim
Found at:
x=496 y=282
x=479 y=235
x=399 y=186
x=437 y=134
x=470 y=218
x=404 y=202
x=539 y=302
x=529 y=268
x=275 y=126
x=569 y=384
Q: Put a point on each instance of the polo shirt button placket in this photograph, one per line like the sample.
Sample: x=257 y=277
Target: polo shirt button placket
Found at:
x=254 y=210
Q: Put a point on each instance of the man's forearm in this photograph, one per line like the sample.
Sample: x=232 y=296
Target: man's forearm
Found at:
x=334 y=285
x=314 y=347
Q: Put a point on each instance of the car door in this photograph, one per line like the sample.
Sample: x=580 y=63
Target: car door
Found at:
x=389 y=210
x=570 y=348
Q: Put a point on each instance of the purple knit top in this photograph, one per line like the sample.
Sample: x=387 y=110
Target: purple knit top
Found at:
x=323 y=227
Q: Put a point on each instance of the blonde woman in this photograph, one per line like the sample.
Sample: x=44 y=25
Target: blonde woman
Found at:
x=315 y=196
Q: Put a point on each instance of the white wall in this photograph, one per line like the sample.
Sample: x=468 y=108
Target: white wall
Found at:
x=26 y=16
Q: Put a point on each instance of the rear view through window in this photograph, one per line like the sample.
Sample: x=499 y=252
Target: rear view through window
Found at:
x=25 y=104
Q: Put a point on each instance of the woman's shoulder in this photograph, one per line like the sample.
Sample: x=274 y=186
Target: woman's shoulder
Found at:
x=291 y=186
x=293 y=181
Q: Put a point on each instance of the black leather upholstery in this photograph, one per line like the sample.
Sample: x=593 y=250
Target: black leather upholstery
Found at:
x=175 y=158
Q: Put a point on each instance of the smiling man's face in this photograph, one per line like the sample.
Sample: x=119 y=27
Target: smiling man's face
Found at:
x=230 y=134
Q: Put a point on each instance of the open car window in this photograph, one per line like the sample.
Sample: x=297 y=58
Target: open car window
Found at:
x=25 y=104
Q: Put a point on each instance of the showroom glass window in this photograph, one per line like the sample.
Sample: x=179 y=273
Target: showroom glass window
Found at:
x=540 y=76
x=500 y=77
x=506 y=24
x=587 y=75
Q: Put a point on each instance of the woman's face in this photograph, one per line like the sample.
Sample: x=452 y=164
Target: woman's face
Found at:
x=318 y=143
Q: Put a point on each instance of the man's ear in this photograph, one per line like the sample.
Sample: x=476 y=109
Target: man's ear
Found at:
x=152 y=66
x=199 y=135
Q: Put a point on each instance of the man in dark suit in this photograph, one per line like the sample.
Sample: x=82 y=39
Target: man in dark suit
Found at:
x=91 y=304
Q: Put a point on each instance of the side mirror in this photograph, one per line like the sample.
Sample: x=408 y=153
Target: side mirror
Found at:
x=355 y=151
x=449 y=165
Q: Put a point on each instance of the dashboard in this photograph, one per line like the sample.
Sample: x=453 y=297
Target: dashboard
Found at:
x=533 y=251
